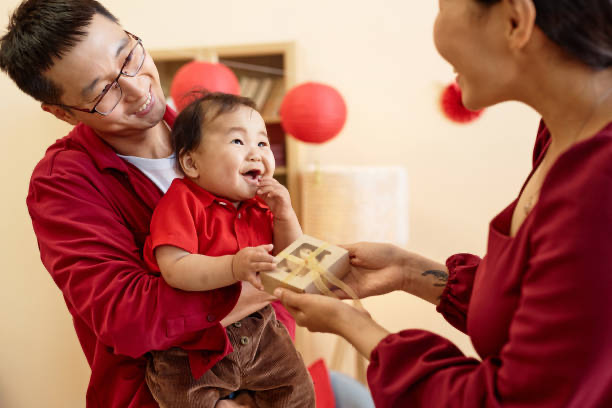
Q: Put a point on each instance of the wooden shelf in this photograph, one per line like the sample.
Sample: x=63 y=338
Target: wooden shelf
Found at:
x=272 y=120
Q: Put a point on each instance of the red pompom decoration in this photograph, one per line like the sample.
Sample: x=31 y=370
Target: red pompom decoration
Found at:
x=453 y=108
x=198 y=76
x=313 y=112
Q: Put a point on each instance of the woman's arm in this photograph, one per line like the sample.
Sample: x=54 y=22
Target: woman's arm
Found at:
x=379 y=268
x=324 y=314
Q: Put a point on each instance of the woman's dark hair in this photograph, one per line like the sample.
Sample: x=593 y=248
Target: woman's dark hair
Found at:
x=583 y=28
x=190 y=124
x=39 y=31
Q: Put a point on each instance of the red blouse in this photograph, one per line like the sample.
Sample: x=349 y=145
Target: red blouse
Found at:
x=536 y=307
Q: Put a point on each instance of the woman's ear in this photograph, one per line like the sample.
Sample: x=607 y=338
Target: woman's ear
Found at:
x=521 y=22
x=60 y=113
x=189 y=165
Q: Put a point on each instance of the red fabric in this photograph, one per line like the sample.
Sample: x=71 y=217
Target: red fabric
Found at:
x=324 y=394
x=91 y=212
x=537 y=311
x=191 y=218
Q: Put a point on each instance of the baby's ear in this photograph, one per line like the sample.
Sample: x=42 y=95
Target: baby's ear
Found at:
x=188 y=165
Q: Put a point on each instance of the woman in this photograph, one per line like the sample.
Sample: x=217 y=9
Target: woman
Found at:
x=537 y=306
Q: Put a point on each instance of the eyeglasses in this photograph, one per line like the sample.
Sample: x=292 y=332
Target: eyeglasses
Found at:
x=112 y=93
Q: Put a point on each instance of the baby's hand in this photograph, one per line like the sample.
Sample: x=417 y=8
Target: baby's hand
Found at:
x=276 y=196
x=248 y=262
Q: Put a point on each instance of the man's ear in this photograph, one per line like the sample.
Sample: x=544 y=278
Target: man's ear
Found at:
x=521 y=22
x=189 y=165
x=60 y=113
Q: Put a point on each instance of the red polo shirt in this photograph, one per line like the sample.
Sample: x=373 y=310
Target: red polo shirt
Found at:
x=91 y=213
x=191 y=218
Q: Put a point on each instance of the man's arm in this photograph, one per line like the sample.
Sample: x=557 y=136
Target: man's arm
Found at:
x=251 y=300
x=93 y=258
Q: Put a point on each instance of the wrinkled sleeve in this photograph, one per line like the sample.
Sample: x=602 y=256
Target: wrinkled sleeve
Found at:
x=93 y=258
x=455 y=298
x=557 y=353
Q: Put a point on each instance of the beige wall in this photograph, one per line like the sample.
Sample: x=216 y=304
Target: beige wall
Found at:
x=380 y=56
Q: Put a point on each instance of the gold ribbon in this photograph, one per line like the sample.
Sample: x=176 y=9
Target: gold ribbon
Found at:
x=317 y=273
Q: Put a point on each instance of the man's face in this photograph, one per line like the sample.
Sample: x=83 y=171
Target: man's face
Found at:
x=94 y=63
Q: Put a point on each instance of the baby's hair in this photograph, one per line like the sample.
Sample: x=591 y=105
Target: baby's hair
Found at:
x=190 y=124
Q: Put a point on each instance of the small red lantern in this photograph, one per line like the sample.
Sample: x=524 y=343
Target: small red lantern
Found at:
x=453 y=108
x=198 y=76
x=313 y=112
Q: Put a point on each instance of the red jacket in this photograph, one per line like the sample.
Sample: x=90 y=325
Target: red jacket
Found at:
x=536 y=307
x=91 y=212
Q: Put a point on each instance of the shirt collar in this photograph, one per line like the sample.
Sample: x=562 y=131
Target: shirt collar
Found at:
x=102 y=154
x=207 y=198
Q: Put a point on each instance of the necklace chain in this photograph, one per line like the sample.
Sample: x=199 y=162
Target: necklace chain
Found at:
x=533 y=197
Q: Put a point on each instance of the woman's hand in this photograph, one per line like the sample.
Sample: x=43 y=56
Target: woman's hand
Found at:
x=317 y=313
x=324 y=314
x=376 y=269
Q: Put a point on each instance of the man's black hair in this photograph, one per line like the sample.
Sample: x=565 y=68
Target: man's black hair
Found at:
x=40 y=31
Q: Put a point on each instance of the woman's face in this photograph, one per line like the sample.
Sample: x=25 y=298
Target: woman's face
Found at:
x=471 y=38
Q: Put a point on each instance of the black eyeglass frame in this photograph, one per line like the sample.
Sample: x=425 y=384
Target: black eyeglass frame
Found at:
x=114 y=83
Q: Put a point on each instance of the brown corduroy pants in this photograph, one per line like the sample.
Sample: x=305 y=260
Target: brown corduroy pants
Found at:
x=264 y=361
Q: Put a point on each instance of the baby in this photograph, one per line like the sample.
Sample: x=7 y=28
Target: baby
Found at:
x=213 y=229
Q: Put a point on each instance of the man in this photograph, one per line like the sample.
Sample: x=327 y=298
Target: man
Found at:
x=91 y=204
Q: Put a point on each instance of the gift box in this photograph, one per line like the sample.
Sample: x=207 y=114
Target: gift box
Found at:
x=308 y=265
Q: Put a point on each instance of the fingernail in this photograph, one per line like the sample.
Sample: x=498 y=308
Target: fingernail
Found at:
x=278 y=292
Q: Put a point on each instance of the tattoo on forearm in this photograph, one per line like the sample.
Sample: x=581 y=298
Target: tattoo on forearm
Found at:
x=441 y=277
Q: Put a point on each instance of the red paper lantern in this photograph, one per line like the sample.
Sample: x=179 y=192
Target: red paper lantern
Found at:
x=453 y=108
x=313 y=112
x=198 y=76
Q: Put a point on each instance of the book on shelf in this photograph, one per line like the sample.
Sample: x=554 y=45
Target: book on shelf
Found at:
x=263 y=92
x=248 y=86
x=271 y=107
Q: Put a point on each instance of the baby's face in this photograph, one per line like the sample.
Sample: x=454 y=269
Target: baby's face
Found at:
x=234 y=155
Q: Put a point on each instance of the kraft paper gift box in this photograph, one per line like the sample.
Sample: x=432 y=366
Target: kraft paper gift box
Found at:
x=301 y=264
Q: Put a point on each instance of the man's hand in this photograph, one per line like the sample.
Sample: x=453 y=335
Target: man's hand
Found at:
x=248 y=262
x=250 y=300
